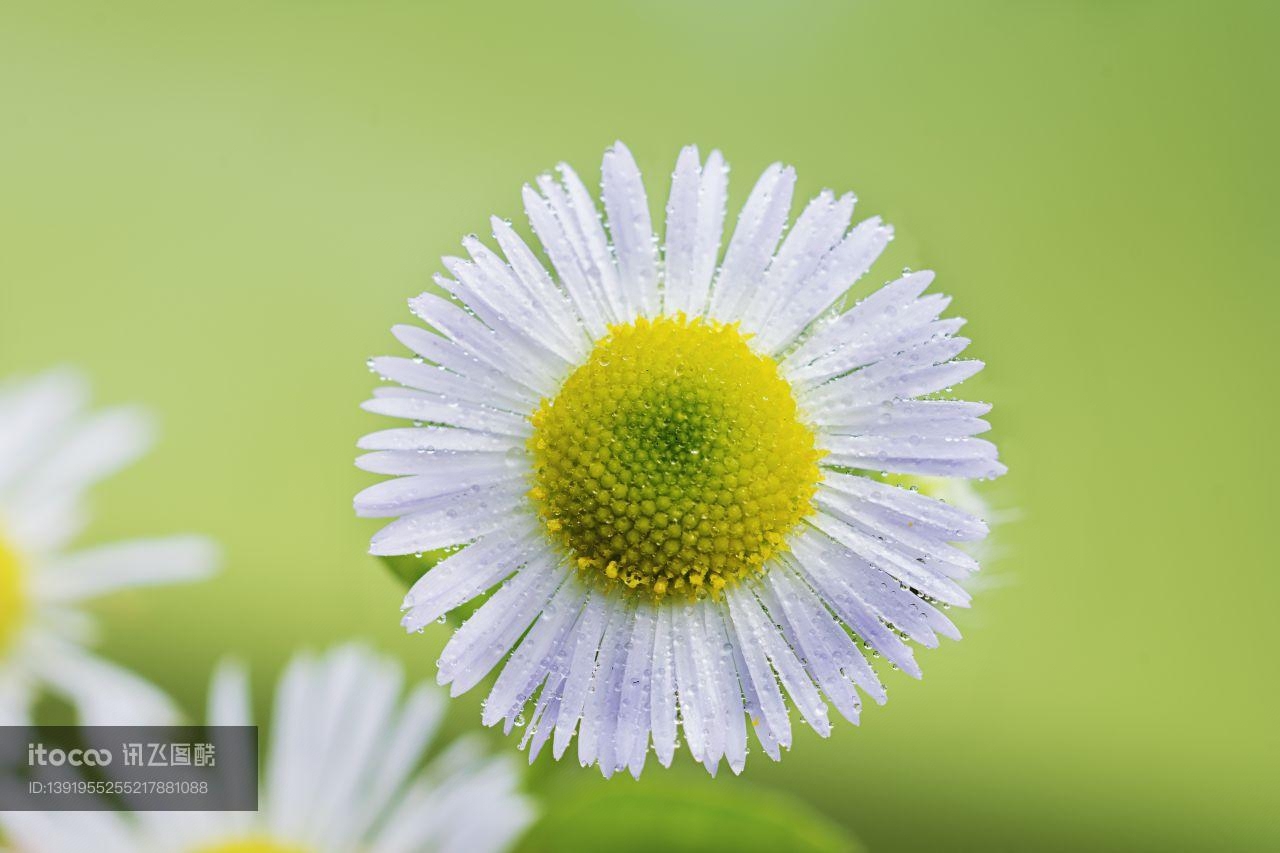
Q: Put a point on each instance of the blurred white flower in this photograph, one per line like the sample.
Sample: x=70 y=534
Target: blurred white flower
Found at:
x=662 y=460
x=342 y=776
x=51 y=451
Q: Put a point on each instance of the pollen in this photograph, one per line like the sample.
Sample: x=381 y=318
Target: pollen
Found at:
x=13 y=602
x=673 y=462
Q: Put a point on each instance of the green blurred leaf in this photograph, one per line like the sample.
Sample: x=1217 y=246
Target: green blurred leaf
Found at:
x=408 y=569
x=685 y=818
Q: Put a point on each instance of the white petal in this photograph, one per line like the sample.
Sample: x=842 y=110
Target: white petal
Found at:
x=538 y=373
x=633 y=708
x=921 y=544
x=682 y=232
x=48 y=525
x=460 y=577
x=588 y=633
x=891 y=560
x=724 y=671
x=939 y=457
x=713 y=190
x=454 y=358
x=535 y=310
x=492 y=292
x=437 y=438
x=442 y=410
x=407 y=738
x=446 y=464
x=546 y=712
x=905 y=418
x=577 y=215
x=583 y=210
x=68 y=832
x=294 y=733
x=700 y=698
x=879 y=589
x=107 y=568
x=632 y=231
x=100 y=446
x=818 y=229
x=558 y=307
x=491 y=632
x=103 y=693
x=466 y=804
x=639 y=753
x=891 y=377
x=912 y=508
x=362 y=705
x=822 y=571
x=877 y=318
x=566 y=254
x=34 y=414
x=868 y=348
x=450 y=519
x=17 y=694
x=772 y=724
x=839 y=270
x=790 y=671
x=420 y=492
x=794 y=611
x=599 y=713
x=942 y=625
x=532 y=662
x=760 y=226
x=829 y=650
x=662 y=701
x=229 y=703
x=889 y=380
x=438 y=381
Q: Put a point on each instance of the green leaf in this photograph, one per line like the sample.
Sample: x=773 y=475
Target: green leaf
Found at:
x=408 y=569
x=630 y=819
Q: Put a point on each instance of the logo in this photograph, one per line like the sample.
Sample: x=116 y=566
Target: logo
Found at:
x=40 y=756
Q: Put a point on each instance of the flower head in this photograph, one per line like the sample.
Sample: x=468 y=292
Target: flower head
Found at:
x=666 y=465
x=342 y=775
x=51 y=452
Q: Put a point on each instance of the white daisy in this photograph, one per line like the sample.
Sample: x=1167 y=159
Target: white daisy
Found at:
x=342 y=775
x=51 y=452
x=662 y=461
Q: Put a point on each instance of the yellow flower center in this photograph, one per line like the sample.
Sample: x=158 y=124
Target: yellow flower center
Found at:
x=253 y=845
x=13 y=601
x=672 y=462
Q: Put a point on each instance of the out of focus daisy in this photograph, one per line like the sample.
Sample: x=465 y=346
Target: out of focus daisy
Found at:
x=669 y=465
x=51 y=451
x=343 y=775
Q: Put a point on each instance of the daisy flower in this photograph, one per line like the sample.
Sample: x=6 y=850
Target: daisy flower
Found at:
x=342 y=776
x=665 y=465
x=51 y=452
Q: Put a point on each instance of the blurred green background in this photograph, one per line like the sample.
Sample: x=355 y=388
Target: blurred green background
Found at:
x=219 y=209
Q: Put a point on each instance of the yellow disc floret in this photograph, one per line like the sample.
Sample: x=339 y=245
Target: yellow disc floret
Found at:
x=252 y=845
x=673 y=461
x=13 y=602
